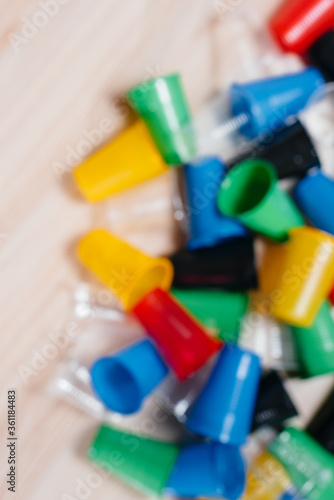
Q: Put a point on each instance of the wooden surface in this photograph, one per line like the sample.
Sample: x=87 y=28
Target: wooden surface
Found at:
x=59 y=82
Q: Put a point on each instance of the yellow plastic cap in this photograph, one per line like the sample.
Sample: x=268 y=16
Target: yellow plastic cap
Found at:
x=267 y=479
x=126 y=271
x=304 y=269
x=129 y=159
x=271 y=266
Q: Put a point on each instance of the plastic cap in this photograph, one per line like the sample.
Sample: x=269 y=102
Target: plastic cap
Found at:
x=250 y=192
x=290 y=495
x=268 y=103
x=230 y=266
x=290 y=151
x=221 y=312
x=129 y=273
x=321 y=54
x=297 y=23
x=331 y=296
x=305 y=275
x=273 y=404
x=123 y=381
x=315 y=196
x=315 y=345
x=271 y=266
x=265 y=336
x=178 y=397
x=211 y=469
x=183 y=341
x=266 y=479
x=162 y=104
x=129 y=159
x=306 y=462
x=140 y=462
x=208 y=227
x=321 y=427
x=225 y=407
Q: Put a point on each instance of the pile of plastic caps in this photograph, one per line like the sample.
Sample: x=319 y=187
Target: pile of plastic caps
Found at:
x=228 y=204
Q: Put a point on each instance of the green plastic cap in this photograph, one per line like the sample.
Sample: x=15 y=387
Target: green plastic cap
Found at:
x=143 y=463
x=250 y=193
x=309 y=465
x=219 y=311
x=162 y=104
x=315 y=345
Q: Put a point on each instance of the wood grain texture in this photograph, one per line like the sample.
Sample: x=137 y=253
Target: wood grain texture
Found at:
x=58 y=82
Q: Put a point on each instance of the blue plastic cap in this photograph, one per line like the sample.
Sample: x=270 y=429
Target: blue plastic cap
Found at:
x=314 y=195
x=269 y=102
x=208 y=469
x=122 y=381
x=208 y=227
x=290 y=495
x=224 y=409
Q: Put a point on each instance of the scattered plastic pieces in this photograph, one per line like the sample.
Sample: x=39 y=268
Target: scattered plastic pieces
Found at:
x=251 y=257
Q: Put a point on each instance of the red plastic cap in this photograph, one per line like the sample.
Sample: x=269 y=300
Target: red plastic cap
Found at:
x=331 y=296
x=181 y=339
x=299 y=23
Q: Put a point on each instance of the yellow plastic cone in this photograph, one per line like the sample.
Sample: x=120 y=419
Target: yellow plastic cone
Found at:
x=129 y=273
x=129 y=159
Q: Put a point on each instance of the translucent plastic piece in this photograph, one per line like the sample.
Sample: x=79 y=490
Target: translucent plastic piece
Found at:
x=246 y=111
x=152 y=215
x=268 y=338
x=178 y=397
x=72 y=382
x=318 y=121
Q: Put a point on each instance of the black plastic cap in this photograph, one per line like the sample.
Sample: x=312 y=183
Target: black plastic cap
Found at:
x=321 y=427
x=229 y=266
x=273 y=405
x=291 y=152
x=321 y=54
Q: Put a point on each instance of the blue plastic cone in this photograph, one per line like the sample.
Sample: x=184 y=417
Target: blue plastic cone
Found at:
x=122 y=381
x=224 y=409
x=315 y=197
x=208 y=470
x=269 y=102
x=208 y=227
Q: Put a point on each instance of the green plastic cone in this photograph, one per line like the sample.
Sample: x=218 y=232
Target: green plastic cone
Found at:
x=162 y=104
x=309 y=465
x=143 y=463
x=250 y=193
x=315 y=345
x=219 y=311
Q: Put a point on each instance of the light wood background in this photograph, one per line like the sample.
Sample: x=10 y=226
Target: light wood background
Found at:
x=58 y=82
